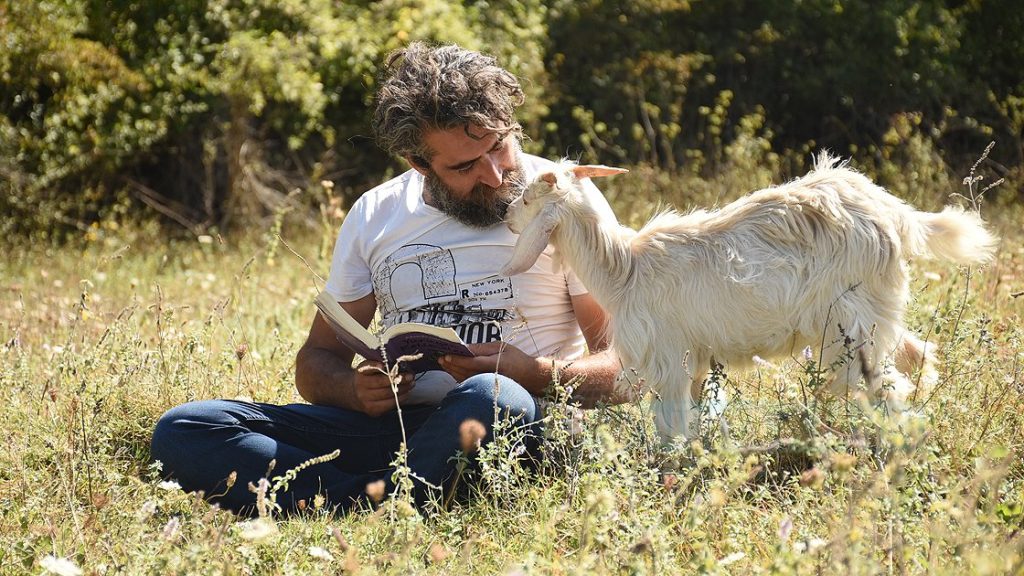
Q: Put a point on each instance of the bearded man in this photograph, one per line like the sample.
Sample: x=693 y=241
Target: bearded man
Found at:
x=425 y=246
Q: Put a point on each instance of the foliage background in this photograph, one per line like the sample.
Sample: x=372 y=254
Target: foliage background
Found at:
x=155 y=158
x=216 y=113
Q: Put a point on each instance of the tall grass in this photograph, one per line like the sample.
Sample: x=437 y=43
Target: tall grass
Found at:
x=100 y=336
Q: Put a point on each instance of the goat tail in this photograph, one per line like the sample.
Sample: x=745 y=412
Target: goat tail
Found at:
x=954 y=234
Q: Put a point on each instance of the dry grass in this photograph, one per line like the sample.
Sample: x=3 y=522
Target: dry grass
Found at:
x=101 y=336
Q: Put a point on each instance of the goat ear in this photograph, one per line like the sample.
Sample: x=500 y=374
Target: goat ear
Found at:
x=595 y=170
x=532 y=242
x=531 y=192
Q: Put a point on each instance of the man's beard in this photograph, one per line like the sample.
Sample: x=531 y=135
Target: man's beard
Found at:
x=484 y=206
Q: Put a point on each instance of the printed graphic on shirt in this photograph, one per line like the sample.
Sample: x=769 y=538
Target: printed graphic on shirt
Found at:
x=432 y=267
x=418 y=273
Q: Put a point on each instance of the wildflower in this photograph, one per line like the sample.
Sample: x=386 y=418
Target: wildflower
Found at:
x=812 y=478
x=761 y=362
x=169 y=485
x=320 y=553
x=471 y=432
x=100 y=501
x=375 y=490
x=808 y=353
x=60 y=566
x=170 y=531
x=438 y=553
x=716 y=497
x=785 y=527
x=405 y=509
x=815 y=544
x=257 y=530
x=241 y=351
x=843 y=462
x=147 y=509
x=732 y=558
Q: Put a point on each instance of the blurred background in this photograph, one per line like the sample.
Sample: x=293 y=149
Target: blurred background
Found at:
x=213 y=116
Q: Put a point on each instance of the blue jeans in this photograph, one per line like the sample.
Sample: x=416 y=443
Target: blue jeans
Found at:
x=201 y=443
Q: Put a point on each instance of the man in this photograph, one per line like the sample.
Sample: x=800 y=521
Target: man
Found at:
x=424 y=246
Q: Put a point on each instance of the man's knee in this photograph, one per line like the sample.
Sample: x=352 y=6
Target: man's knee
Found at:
x=170 y=439
x=492 y=390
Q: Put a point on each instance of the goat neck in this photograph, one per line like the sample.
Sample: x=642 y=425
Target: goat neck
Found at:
x=598 y=250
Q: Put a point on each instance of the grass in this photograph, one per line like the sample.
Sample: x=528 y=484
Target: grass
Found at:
x=100 y=336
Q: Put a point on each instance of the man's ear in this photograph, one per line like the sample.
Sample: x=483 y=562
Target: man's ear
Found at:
x=418 y=164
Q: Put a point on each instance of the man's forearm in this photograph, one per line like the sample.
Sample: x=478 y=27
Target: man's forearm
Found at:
x=597 y=374
x=321 y=377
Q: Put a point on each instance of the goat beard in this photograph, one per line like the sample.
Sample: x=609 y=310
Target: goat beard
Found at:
x=484 y=206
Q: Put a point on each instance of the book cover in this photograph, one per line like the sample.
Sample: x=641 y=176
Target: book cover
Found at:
x=406 y=339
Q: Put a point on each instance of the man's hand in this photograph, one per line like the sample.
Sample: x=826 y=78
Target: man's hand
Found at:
x=505 y=359
x=372 y=388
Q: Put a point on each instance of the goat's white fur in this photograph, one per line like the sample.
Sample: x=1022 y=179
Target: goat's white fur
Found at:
x=819 y=262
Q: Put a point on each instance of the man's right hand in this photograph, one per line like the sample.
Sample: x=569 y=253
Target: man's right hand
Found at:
x=372 y=388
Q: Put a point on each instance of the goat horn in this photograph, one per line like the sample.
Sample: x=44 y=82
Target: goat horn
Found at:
x=532 y=242
x=595 y=170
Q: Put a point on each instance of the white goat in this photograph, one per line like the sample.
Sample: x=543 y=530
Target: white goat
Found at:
x=819 y=262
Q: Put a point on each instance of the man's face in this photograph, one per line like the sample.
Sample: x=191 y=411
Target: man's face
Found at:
x=472 y=178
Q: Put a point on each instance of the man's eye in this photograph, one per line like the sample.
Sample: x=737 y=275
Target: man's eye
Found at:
x=464 y=169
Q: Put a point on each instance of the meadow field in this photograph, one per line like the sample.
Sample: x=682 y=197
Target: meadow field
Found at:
x=100 y=335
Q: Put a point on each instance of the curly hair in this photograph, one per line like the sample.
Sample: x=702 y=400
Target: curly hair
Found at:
x=429 y=88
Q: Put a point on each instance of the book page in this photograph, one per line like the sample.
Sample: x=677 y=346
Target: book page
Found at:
x=348 y=330
x=409 y=327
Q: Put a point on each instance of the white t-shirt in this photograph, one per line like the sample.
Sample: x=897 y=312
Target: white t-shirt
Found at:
x=423 y=266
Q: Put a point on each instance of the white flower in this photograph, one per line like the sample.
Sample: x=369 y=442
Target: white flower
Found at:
x=169 y=485
x=321 y=553
x=171 y=529
x=785 y=527
x=731 y=558
x=761 y=362
x=60 y=566
x=147 y=509
x=808 y=353
x=257 y=530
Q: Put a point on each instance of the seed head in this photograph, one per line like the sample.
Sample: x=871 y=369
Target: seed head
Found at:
x=843 y=462
x=812 y=478
x=471 y=433
x=375 y=490
x=438 y=553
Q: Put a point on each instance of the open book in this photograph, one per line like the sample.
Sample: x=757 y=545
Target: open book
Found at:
x=405 y=339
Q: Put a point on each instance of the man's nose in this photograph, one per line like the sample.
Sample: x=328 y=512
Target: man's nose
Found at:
x=493 y=174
